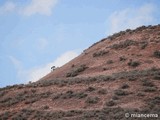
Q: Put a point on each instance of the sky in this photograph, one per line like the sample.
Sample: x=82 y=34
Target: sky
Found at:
x=38 y=34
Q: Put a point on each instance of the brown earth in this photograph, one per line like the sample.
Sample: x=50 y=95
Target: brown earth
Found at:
x=117 y=75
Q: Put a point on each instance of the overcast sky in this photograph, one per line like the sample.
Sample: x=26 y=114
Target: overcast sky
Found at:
x=38 y=34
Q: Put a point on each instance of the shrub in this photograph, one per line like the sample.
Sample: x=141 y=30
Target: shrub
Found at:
x=141 y=94
x=100 y=53
x=147 y=83
x=81 y=68
x=109 y=61
x=132 y=78
x=115 y=97
x=90 y=89
x=144 y=44
x=124 y=44
x=133 y=63
x=19 y=117
x=156 y=54
x=130 y=75
x=102 y=91
x=56 y=96
x=150 y=89
x=5 y=116
x=45 y=94
x=72 y=74
x=124 y=86
x=73 y=65
x=70 y=94
x=28 y=97
x=156 y=100
x=46 y=107
x=81 y=95
x=76 y=71
x=6 y=102
x=33 y=90
x=67 y=95
x=153 y=103
x=122 y=58
x=156 y=77
x=140 y=28
x=110 y=103
x=104 y=68
x=31 y=100
x=92 y=100
x=128 y=30
x=121 y=92
x=2 y=93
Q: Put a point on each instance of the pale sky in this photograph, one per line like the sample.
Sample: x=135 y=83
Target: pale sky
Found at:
x=38 y=34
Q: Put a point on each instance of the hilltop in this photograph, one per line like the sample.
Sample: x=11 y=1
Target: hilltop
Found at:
x=117 y=75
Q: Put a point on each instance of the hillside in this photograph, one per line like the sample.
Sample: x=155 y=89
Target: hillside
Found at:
x=117 y=75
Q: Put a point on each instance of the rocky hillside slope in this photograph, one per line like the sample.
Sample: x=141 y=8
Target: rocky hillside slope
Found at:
x=117 y=75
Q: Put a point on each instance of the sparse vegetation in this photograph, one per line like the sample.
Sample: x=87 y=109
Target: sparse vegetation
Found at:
x=100 y=53
x=130 y=75
x=76 y=71
x=106 y=113
x=27 y=96
x=124 y=44
x=154 y=103
x=128 y=43
x=149 y=86
x=92 y=97
x=147 y=83
x=156 y=100
x=70 y=94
